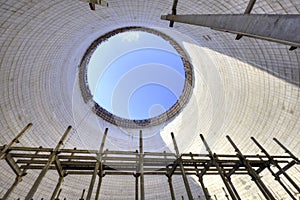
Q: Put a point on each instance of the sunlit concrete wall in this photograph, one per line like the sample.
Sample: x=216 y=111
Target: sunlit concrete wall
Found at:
x=242 y=88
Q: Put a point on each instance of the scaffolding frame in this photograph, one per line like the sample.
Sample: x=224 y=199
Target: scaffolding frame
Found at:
x=100 y=163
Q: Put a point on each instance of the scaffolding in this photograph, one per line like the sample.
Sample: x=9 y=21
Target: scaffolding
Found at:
x=100 y=163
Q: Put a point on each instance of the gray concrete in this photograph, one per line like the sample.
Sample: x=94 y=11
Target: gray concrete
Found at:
x=242 y=88
x=276 y=28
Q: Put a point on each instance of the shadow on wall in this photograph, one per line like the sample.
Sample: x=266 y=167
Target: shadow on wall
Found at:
x=273 y=58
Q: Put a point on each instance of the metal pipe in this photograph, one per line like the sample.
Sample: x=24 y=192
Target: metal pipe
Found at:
x=100 y=177
x=233 y=188
x=136 y=175
x=213 y=157
x=277 y=178
x=12 y=187
x=57 y=189
x=82 y=195
x=252 y=172
x=142 y=167
x=18 y=178
x=57 y=197
x=286 y=150
x=99 y=184
x=184 y=177
x=169 y=178
x=221 y=173
x=171 y=187
x=226 y=195
x=97 y=165
x=52 y=157
x=14 y=141
x=174 y=12
x=205 y=191
x=136 y=187
x=250 y=6
x=276 y=164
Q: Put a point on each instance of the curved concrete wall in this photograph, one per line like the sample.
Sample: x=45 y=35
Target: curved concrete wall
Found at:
x=242 y=88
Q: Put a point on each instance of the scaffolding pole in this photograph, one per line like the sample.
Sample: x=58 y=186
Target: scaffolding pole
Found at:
x=138 y=163
x=141 y=167
x=171 y=187
x=174 y=11
x=12 y=187
x=200 y=178
x=169 y=176
x=18 y=180
x=287 y=151
x=100 y=176
x=57 y=188
x=233 y=188
x=82 y=195
x=4 y=151
x=214 y=159
x=263 y=188
x=97 y=166
x=184 y=177
x=276 y=165
x=278 y=179
x=52 y=157
x=136 y=176
x=205 y=191
x=58 y=194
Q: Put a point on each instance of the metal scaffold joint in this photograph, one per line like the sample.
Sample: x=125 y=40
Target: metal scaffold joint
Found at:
x=100 y=163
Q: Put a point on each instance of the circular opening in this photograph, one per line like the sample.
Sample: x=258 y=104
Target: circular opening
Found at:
x=136 y=77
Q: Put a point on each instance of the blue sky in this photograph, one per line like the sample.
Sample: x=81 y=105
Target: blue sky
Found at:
x=136 y=75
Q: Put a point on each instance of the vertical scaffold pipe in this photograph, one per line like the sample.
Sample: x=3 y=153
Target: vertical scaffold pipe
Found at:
x=142 y=167
x=57 y=188
x=51 y=158
x=184 y=177
x=97 y=166
x=276 y=165
x=213 y=157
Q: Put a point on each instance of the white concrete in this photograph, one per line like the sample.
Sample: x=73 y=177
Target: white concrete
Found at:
x=242 y=88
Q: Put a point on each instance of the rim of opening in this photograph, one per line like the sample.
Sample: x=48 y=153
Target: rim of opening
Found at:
x=132 y=123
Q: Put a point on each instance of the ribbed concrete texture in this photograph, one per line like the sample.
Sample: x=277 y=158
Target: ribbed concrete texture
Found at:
x=242 y=88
